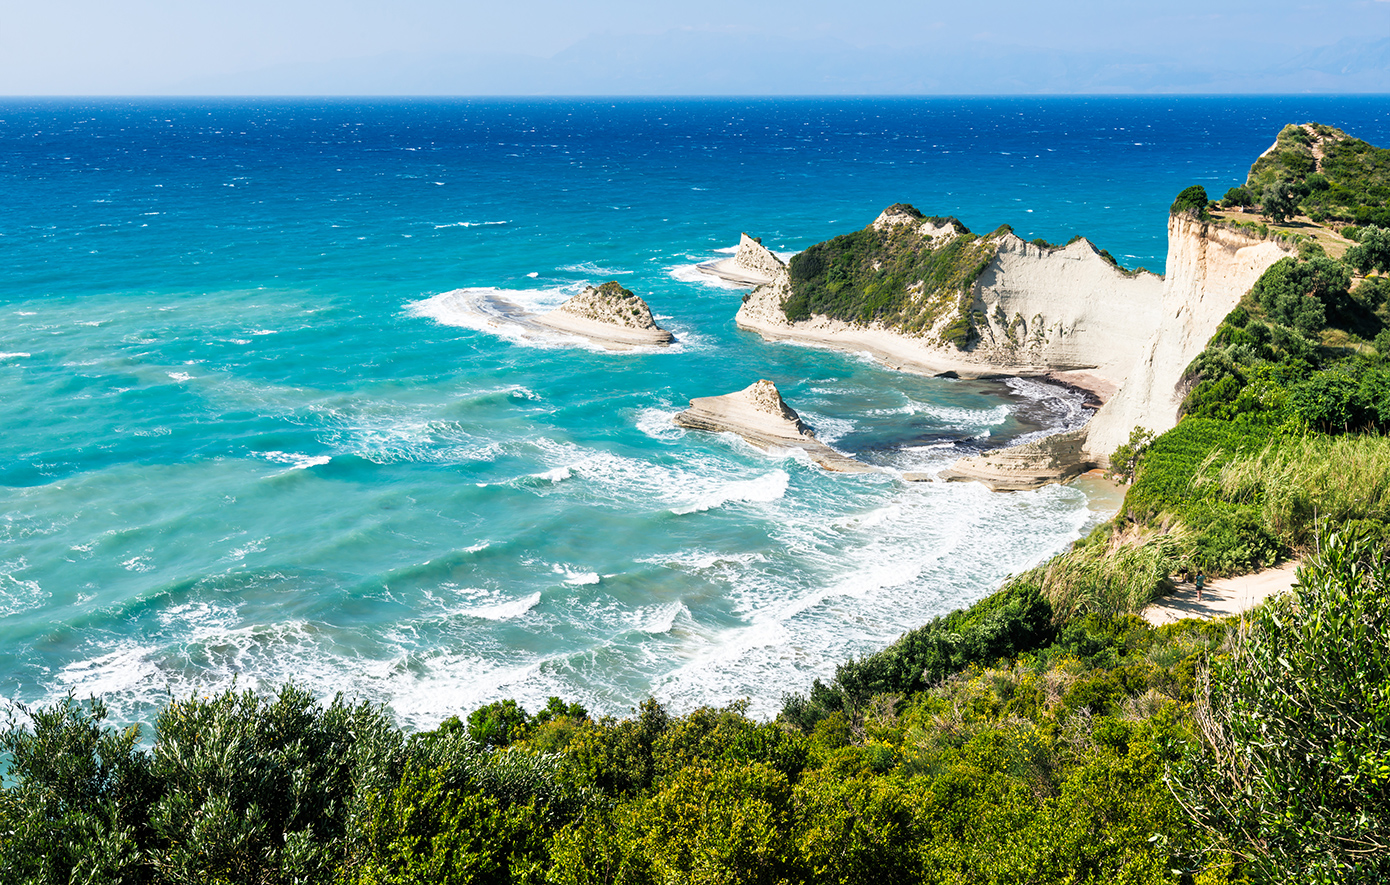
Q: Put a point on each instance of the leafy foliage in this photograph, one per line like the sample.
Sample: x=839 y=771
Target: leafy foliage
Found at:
x=1015 y=619
x=1125 y=459
x=1293 y=770
x=1192 y=201
x=1351 y=181
x=893 y=275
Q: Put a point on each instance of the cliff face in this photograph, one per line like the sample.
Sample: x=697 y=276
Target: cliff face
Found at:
x=1209 y=269
x=1068 y=313
x=1062 y=310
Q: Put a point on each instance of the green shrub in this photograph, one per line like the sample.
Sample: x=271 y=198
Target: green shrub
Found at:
x=1292 y=771
x=893 y=276
x=1192 y=201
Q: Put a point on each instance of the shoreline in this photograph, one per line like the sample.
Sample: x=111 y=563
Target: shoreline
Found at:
x=903 y=355
x=731 y=271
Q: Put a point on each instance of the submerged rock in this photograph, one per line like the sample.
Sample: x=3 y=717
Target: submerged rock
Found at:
x=761 y=417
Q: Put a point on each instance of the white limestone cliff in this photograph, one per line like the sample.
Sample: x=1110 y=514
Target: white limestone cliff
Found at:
x=1064 y=312
x=1209 y=269
x=1067 y=314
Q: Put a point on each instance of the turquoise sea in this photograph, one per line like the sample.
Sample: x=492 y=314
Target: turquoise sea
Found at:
x=245 y=442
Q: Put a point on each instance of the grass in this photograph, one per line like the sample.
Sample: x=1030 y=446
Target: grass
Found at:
x=1298 y=482
x=1333 y=243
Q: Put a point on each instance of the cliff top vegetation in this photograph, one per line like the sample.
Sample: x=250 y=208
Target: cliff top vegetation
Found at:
x=893 y=273
x=1323 y=173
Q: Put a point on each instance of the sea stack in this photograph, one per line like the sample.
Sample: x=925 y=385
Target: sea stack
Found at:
x=760 y=416
x=752 y=265
x=608 y=315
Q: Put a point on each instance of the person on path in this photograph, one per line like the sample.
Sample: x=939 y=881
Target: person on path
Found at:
x=1200 y=581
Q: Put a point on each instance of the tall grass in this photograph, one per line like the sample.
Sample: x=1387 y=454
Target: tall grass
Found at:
x=1298 y=482
x=1107 y=578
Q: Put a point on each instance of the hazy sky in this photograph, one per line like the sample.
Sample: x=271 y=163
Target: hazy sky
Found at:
x=170 y=46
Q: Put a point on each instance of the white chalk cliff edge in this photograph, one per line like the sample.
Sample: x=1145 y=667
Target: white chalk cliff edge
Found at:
x=1064 y=313
x=752 y=265
x=759 y=415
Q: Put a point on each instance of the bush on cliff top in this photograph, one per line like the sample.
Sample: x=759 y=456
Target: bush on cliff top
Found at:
x=1193 y=201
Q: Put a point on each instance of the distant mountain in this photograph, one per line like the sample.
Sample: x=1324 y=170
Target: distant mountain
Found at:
x=717 y=63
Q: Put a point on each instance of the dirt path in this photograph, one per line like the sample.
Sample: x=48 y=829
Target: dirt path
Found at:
x=1222 y=596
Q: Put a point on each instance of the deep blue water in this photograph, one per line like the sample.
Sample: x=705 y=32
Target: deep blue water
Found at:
x=243 y=440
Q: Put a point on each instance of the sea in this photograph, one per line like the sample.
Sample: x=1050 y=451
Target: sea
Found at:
x=246 y=441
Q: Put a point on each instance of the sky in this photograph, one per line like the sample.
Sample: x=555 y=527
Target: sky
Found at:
x=172 y=47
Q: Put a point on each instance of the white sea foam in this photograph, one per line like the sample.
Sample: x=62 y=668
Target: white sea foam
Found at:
x=828 y=429
x=468 y=223
x=18 y=594
x=505 y=610
x=691 y=273
x=657 y=424
x=295 y=460
x=765 y=488
x=555 y=474
x=477 y=309
x=180 y=376
x=662 y=618
x=13 y=356
x=589 y=267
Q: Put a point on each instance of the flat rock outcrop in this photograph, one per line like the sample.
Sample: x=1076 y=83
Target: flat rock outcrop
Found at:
x=1057 y=458
x=759 y=415
x=752 y=265
x=609 y=315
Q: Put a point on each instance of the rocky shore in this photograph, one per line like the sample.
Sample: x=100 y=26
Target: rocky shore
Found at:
x=1064 y=314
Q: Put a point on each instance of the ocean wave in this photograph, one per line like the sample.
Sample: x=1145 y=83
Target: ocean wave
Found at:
x=14 y=356
x=469 y=223
x=662 y=618
x=763 y=489
x=1056 y=407
x=18 y=594
x=295 y=460
x=828 y=429
x=502 y=313
x=691 y=273
x=657 y=424
x=589 y=267
x=555 y=474
x=503 y=611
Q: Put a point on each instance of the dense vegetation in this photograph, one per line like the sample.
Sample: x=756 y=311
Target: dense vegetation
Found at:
x=894 y=275
x=1323 y=173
